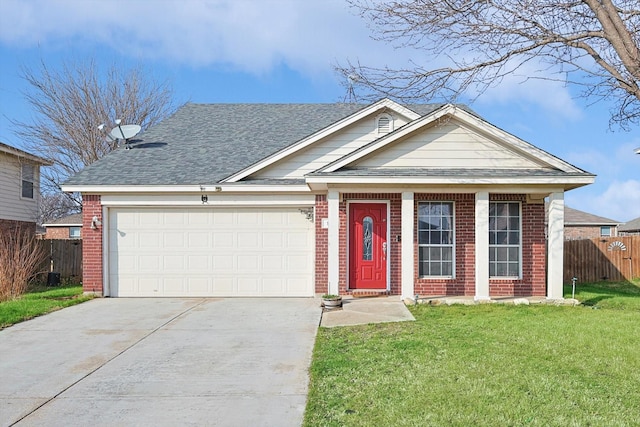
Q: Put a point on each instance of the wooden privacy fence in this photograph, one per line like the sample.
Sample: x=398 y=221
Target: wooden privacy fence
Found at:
x=66 y=256
x=602 y=259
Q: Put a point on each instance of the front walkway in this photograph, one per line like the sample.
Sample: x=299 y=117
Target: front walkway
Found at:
x=361 y=311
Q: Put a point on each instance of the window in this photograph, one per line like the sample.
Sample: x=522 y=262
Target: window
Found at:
x=74 y=232
x=504 y=239
x=28 y=173
x=367 y=238
x=605 y=231
x=435 y=239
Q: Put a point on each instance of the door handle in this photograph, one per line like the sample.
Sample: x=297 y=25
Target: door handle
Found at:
x=384 y=250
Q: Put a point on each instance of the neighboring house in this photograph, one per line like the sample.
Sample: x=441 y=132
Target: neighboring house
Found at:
x=582 y=225
x=68 y=227
x=304 y=199
x=19 y=187
x=630 y=228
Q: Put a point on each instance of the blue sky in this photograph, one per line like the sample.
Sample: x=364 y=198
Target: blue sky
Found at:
x=284 y=51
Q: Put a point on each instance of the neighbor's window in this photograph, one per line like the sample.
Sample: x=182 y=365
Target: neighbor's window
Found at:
x=605 y=231
x=435 y=239
x=28 y=173
x=504 y=239
x=74 y=232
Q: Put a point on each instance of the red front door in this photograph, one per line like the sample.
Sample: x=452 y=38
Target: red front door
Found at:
x=368 y=246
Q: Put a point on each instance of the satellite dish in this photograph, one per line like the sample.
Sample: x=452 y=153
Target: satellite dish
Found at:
x=125 y=131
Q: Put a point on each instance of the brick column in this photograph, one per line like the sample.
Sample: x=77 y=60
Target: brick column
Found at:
x=92 y=266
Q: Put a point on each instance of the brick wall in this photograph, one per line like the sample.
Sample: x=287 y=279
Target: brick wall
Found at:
x=11 y=225
x=572 y=232
x=533 y=281
x=393 y=247
x=58 y=233
x=322 y=246
x=465 y=255
x=91 y=245
x=534 y=249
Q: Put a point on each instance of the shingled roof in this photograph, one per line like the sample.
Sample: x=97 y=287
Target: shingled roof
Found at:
x=205 y=143
x=576 y=217
x=630 y=226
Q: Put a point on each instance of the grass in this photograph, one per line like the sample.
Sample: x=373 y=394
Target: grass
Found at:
x=39 y=301
x=485 y=365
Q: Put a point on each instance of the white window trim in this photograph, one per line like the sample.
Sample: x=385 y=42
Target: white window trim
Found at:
x=453 y=245
x=520 y=261
x=33 y=181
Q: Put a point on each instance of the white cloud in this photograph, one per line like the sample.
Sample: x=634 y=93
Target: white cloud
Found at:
x=529 y=84
x=254 y=36
x=622 y=199
x=248 y=35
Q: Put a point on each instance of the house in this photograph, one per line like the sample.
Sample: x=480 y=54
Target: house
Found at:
x=19 y=187
x=630 y=228
x=67 y=227
x=304 y=199
x=582 y=225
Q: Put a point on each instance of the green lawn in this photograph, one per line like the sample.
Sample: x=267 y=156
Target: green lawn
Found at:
x=486 y=365
x=38 y=302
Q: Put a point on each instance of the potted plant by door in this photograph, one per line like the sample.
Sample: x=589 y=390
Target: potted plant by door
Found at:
x=331 y=301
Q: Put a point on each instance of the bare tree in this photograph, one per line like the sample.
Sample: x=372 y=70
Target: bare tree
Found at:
x=20 y=259
x=473 y=44
x=54 y=205
x=69 y=104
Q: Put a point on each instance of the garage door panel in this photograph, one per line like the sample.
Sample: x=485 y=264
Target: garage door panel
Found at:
x=298 y=263
x=248 y=286
x=198 y=286
x=198 y=263
x=173 y=264
x=147 y=286
x=210 y=252
x=223 y=286
x=223 y=263
x=148 y=263
x=247 y=263
x=144 y=240
x=174 y=239
x=198 y=240
x=247 y=240
x=247 y=218
x=272 y=240
x=297 y=240
x=273 y=263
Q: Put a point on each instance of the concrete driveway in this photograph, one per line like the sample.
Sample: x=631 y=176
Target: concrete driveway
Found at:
x=160 y=362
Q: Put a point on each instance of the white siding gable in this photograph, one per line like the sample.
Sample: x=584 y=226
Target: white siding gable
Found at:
x=329 y=149
x=448 y=145
x=12 y=205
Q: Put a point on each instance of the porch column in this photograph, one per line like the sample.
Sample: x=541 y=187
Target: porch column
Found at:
x=482 y=246
x=406 y=253
x=555 y=249
x=333 y=241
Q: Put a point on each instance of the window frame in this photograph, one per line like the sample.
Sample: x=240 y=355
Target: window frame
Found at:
x=79 y=230
x=608 y=228
x=28 y=182
x=495 y=247
x=451 y=245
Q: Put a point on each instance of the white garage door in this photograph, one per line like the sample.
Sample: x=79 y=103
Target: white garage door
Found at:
x=210 y=252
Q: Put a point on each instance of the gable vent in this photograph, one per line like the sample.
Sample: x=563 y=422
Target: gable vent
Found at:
x=384 y=124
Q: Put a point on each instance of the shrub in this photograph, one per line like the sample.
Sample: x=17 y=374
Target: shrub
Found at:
x=20 y=258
